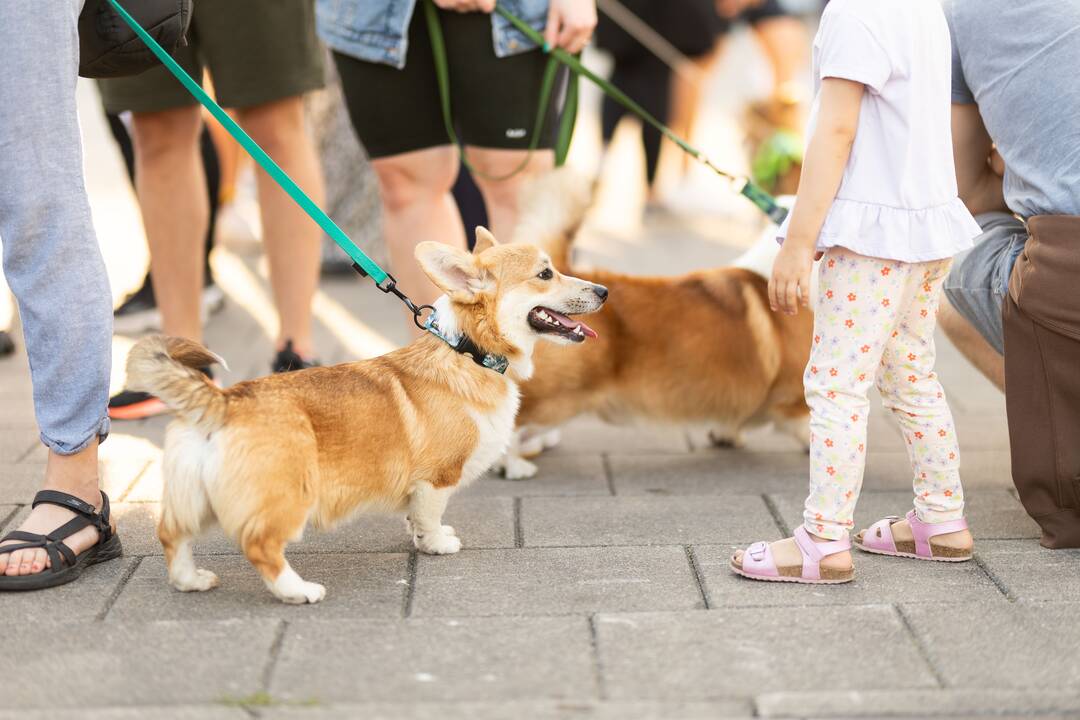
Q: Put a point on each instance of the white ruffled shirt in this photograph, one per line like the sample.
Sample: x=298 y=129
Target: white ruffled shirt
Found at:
x=898 y=198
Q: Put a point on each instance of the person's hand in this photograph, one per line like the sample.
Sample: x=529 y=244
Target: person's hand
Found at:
x=466 y=6
x=570 y=24
x=789 y=285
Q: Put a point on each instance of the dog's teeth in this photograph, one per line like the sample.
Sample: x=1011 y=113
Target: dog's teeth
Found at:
x=578 y=331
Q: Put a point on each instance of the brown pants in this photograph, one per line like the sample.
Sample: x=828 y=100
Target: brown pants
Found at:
x=1042 y=376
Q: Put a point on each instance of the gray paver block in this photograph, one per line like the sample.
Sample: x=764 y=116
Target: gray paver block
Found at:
x=993 y=514
x=916 y=703
x=558 y=475
x=358 y=585
x=1011 y=645
x=539 y=710
x=480 y=522
x=1031 y=572
x=19 y=482
x=640 y=520
x=694 y=655
x=708 y=472
x=878 y=579
x=159 y=712
x=133 y=663
x=15 y=443
x=535 y=581
x=982 y=430
x=84 y=599
x=978 y=469
x=440 y=660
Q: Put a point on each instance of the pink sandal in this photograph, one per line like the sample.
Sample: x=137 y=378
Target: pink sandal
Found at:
x=758 y=564
x=878 y=539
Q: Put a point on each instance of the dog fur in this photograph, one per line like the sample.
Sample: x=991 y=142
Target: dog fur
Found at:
x=701 y=349
x=397 y=433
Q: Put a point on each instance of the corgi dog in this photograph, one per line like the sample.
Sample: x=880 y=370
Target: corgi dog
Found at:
x=701 y=349
x=397 y=433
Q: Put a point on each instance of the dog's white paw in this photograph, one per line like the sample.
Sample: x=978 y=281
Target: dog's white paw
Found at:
x=518 y=468
x=448 y=530
x=304 y=592
x=532 y=445
x=198 y=581
x=441 y=544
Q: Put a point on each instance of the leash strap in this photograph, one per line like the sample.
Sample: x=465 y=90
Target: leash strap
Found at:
x=765 y=202
x=363 y=264
x=547 y=87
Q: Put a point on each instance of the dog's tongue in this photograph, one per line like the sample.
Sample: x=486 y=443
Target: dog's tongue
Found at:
x=572 y=324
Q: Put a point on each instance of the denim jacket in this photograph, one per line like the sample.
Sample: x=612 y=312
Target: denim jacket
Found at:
x=378 y=30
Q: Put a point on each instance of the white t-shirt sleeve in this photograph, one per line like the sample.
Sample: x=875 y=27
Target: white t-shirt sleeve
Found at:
x=850 y=51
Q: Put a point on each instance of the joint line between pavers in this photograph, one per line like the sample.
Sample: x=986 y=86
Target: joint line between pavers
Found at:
x=26 y=453
x=410 y=588
x=609 y=474
x=695 y=568
x=998 y=582
x=115 y=595
x=920 y=647
x=519 y=530
x=131 y=486
x=10 y=516
x=776 y=516
x=598 y=666
x=273 y=654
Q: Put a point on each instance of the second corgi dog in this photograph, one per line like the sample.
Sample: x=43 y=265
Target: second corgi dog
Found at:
x=397 y=433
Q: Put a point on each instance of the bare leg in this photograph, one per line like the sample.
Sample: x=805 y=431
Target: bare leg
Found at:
x=785 y=41
x=292 y=239
x=417 y=205
x=426 y=506
x=971 y=344
x=75 y=474
x=501 y=196
x=170 y=184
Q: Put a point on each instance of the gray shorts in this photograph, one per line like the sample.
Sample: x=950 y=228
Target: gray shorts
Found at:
x=979 y=280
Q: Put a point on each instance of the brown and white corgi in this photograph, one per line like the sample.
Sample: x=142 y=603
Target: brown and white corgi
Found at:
x=701 y=349
x=397 y=433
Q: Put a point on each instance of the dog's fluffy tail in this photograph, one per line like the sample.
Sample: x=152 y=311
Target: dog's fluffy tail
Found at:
x=167 y=367
x=553 y=206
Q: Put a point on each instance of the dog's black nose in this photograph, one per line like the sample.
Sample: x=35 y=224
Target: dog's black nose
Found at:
x=601 y=292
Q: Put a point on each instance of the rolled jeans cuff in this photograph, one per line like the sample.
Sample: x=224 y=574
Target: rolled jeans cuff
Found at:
x=61 y=447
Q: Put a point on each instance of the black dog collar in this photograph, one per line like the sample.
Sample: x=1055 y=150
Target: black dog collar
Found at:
x=465 y=346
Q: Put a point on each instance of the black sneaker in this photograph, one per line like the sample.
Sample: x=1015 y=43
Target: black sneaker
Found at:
x=7 y=343
x=139 y=313
x=133 y=405
x=288 y=360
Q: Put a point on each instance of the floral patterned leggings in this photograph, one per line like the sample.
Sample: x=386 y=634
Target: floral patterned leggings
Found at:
x=875 y=322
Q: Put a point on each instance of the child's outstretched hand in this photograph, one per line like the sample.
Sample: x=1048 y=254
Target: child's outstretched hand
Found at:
x=789 y=285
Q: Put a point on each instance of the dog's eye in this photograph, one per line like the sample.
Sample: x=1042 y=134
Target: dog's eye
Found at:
x=546 y=274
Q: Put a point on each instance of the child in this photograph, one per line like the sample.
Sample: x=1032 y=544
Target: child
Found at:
x=878 y=201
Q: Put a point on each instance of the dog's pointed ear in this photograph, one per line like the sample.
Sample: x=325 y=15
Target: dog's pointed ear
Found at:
x=453 y=271
x=484 y=240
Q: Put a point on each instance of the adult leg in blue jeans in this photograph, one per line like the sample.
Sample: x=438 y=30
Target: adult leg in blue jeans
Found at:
x=54 y=267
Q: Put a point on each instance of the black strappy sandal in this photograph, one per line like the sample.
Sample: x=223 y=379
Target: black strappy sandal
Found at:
x=65 y=564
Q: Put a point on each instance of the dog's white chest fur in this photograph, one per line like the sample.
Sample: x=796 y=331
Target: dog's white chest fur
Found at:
x=494 y=430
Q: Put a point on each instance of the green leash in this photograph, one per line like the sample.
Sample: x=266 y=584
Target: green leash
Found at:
x=547 y=86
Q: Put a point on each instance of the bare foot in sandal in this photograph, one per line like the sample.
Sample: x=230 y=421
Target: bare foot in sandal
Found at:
x=67 y=529
x=910 y=537
x=803 y=558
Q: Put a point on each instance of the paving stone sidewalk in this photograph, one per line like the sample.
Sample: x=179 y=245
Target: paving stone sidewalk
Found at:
x=599 y=589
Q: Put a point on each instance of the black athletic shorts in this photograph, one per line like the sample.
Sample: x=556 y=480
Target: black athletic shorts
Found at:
x=493 y=100
x=765 y=11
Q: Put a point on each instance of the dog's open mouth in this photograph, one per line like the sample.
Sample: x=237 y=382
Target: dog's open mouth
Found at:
x=546 y=320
